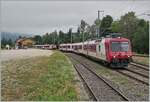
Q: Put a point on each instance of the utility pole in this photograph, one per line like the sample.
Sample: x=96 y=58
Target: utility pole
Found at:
x=82 y=38
x=71 y=35
x=99 y=29
x=70 y=30
x=54 y=39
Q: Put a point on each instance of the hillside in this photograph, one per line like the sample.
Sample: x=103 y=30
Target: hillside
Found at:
x=13 y=36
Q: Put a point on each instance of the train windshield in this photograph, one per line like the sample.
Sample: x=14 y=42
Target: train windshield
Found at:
x=119 y=46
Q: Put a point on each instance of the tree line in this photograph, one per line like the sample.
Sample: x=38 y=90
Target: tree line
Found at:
x=129 y=25
x=5 y=42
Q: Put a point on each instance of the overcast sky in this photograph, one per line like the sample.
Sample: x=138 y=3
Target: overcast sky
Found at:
x=39 y=17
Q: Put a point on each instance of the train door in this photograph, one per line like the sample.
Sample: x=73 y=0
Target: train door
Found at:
x=101 y=51
x=98 y=50
x=87 y=47
x=107 y=51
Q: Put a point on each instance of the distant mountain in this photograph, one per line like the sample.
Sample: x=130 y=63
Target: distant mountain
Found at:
x=13 y=36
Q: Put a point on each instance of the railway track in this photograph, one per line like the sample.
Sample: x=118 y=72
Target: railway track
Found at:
x=145 y=67
x=137 y=73
x=138 y=70
x=131 y=73
x=100 y=88
x=133 y=76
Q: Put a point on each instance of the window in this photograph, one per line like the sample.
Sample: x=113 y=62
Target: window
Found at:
x=119 y=46
x=85 y=47
x=92 y=47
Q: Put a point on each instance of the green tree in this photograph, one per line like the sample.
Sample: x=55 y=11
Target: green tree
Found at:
x=93 y=31
x=82 y=29
x=37 y=39
x=45 y=38
x=77 y=36
x=137 y=30
x=141 y=38
x=3 y=43
x=106 y=22
x=87 y=32
x=61 y=37
x=128 y=25
x=54 y=37
x=115 y=27
x=69 y=35
x=105 y=25
x=9 y=42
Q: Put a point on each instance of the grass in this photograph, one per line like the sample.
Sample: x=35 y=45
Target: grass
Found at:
x=140 y=54
x=142 y=60
x=39 y=79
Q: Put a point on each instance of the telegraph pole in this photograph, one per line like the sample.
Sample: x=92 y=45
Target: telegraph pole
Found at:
x=99 y=29
x=82 y=39
x=54 y=39
x=71 y=36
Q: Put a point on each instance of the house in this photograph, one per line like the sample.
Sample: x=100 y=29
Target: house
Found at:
x=24 y=43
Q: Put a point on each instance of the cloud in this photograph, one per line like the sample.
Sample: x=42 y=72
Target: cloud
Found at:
x=38 y=17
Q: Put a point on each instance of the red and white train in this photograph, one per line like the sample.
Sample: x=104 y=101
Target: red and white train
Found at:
x=46 y=46
x=115 y=52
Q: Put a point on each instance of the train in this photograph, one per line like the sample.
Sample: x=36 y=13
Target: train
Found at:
x=115 y=52
x=46 y=46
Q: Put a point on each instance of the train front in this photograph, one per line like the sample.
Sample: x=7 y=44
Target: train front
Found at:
x=120 y=52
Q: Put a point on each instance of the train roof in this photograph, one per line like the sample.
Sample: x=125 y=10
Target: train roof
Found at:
x=116 y=39
x=98 y=40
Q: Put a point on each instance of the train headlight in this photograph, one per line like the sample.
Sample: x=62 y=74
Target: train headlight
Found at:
x=128 y=56
x=114 y=56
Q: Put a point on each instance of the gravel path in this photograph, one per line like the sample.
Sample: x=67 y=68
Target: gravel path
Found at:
x=23 y=53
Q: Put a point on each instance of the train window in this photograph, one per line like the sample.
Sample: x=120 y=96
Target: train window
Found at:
x=124 y=46
x=80 y=46
x=119 y=46
x=91 y=47
x=84 y=47
x=115 y=46
x=94 y=47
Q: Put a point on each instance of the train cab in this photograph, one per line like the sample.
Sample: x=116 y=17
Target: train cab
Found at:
x=119 y=52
